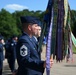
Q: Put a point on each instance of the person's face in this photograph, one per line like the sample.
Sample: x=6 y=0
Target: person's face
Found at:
x=16 y=38
x=34 y=29
x=39 y=31
x=2 y=41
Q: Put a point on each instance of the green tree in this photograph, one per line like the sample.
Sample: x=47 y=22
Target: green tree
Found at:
x=8 y=25
x=73 y=22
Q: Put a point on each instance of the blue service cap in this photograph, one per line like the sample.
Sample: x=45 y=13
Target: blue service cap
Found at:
x=28 y=19
x=14 y=36
x=38 y=22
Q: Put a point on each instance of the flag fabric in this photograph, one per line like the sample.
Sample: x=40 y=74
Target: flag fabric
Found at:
x=46 y=22
x=65 y=27
x=59 y=38
x=60 y=27
x=54 y=28
x=73 y=39
x=70 y=47
x=66 y=12
x=57 y=26
x=70 y=38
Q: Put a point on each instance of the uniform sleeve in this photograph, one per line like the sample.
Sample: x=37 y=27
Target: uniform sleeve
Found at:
x=1 y=48
x=27 y=61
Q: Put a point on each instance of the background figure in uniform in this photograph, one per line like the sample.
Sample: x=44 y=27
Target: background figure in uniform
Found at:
x=36 y=37
x=11 y=52
x=28 y=56
x=1 y=54
x=7 y=48
x=39 y=32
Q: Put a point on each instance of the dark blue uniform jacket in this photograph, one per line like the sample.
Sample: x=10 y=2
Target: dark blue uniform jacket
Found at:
x=13 y=48
x=1 y=55
x=28 y=57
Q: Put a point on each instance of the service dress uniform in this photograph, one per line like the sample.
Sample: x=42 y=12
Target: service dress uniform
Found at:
x=10 y=53
x=12 y=58
x=28 y=57
x=1 y=57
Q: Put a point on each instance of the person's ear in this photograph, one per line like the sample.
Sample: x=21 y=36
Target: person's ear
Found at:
x=29 y=27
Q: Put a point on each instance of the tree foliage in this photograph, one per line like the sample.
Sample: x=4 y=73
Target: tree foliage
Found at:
x=8 y=25
x=73 y=22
